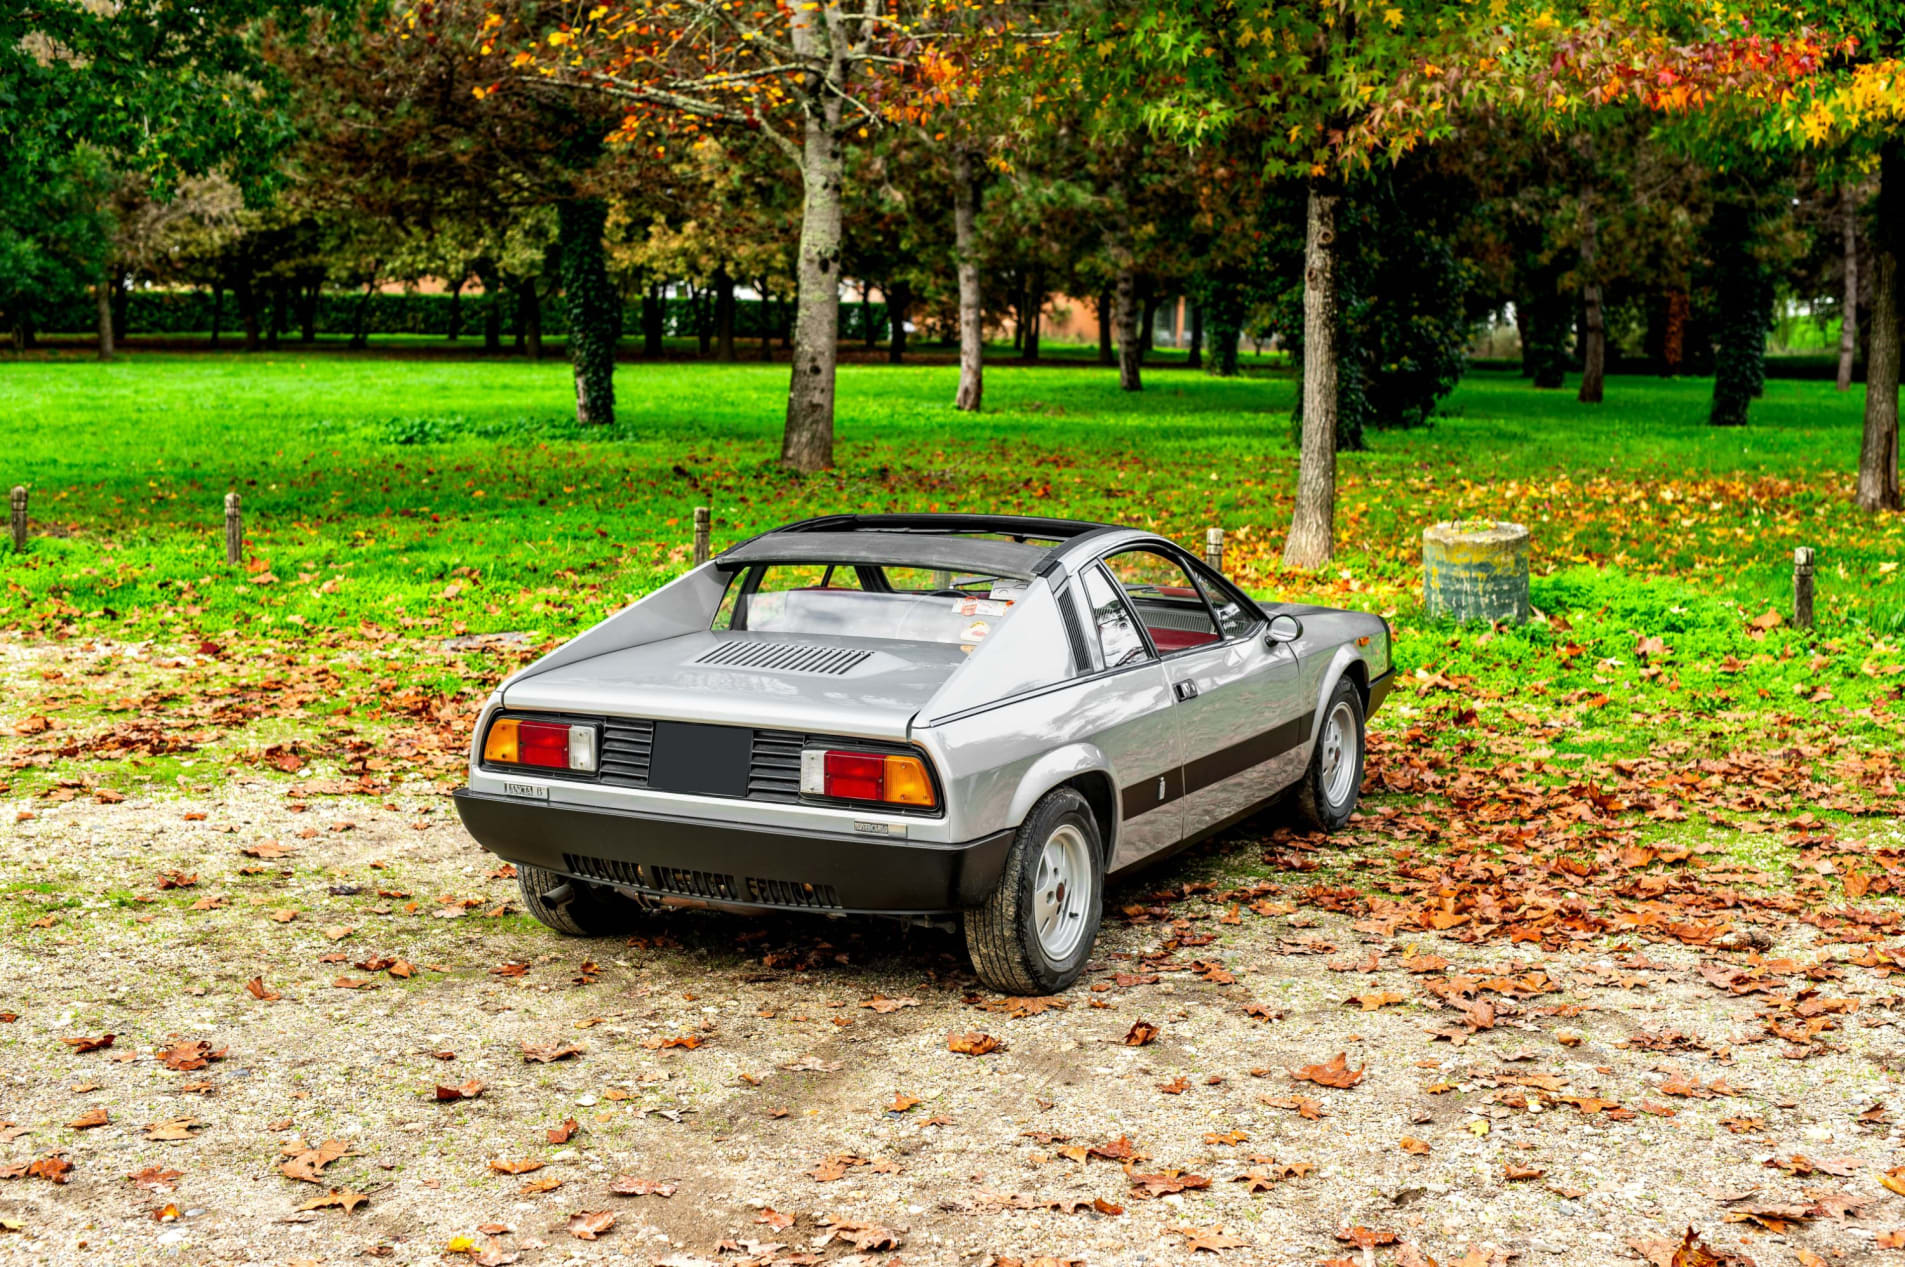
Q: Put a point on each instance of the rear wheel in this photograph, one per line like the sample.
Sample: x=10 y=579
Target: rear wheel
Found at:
x=1036 y=930
x=1327 y=795
x=572 y=907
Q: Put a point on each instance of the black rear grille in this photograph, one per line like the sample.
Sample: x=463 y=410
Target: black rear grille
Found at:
x=773 y=768
x=785 y=657
x=793 y=893
x=710 y=886
x=626 y=745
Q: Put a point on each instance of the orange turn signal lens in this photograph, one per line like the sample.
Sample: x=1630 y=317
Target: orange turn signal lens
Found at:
x=502 y=743
x=907 y=782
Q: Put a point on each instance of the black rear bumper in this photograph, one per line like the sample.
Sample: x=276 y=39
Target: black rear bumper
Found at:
x=732 y=864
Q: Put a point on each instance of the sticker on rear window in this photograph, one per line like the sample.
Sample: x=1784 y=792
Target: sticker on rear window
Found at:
x=979 y=607
x=976 y=630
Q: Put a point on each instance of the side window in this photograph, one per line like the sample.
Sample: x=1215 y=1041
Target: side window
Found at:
x=1167 y=600
x=1118 y=636
x=1237 y=617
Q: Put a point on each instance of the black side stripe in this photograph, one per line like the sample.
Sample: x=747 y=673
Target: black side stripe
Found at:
x=1215 y=767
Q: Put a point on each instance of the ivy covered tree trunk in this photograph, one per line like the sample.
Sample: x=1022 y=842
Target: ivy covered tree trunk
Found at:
x=724 y=315
x=1849 y=306
x=653 y=318
x=1195 y=358
x=1106 y=354
x=1743 y=295
x=1544 y=332
x=595 y=310
x=1312 y=528
x=1226 y=323
x=899 y=303
x=1148 y=320
x=1878 y=454
x=807 y=442
x=972 y=333
x=529 y=318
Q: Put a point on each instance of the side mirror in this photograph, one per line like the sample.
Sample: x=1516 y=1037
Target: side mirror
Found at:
x=1283 y=628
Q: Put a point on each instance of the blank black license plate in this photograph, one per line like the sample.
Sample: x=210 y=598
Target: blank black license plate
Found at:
x=703 y=760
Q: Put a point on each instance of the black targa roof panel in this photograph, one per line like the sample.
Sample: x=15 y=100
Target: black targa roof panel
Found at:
x=900 y=549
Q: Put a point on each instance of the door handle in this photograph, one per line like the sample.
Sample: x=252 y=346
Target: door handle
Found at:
x=1186 y=689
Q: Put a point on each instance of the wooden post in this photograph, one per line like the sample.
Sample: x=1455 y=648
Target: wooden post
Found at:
x=1802 y=588
x=1214 y=548
x=19 y=518
x=234 y=529
x=702 y=524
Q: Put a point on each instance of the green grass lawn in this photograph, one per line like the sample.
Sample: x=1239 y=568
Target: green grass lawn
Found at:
x=409 y=500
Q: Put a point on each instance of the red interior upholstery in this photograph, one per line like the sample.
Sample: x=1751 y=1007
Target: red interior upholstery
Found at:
x=1179 y=639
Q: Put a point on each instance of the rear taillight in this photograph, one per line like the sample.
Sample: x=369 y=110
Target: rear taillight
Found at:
x=548 y=745
x=886 y=777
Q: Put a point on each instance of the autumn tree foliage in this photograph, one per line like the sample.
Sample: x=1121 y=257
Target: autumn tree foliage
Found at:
x=809 y=79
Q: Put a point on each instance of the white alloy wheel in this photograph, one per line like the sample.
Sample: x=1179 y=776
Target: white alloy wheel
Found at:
x=1061 y=891
x=1339 y=753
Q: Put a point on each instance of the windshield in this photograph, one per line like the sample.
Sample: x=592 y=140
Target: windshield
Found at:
x=868 y=601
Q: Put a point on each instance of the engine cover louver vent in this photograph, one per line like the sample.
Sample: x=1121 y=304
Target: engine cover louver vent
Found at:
x=785 y=657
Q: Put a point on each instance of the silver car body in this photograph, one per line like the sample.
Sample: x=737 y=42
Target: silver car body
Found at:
x=1029 y=708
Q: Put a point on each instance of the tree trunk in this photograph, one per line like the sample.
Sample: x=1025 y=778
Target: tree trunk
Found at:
x=1148 y=323
x=971 y=311
x=105 y=316
x=655 y=319
x=360 y=323
x=1744 y=296
x=308 y=296
x=1125 y=313
x=1312 y=528
x=280 y=317
x=595 y=310
x=899 y=302
x=1195 y=358
x=1593 y=319
x=1106 y=355
x=1034 y=316
x=868 y=333
x=529 y=318
x=1226 y=323
x=1878 y=455
x=245 y=291
x=807 y=442
x=121 y=300
x=724 y=315
x=1849 y=321
x=218 y=310
x=704 y=320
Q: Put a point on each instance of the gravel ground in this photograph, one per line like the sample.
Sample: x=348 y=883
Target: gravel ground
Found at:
x=786 y=1090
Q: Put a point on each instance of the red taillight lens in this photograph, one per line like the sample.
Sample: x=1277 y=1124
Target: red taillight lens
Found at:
x=856 y=776
x=543 y=743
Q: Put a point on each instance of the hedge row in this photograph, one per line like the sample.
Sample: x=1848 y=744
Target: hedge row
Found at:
x=190 y=312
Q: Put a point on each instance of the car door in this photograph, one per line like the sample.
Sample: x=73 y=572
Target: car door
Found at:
x=1134 y=722
x=1238 y=698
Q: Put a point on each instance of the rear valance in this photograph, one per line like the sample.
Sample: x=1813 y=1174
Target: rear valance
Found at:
x=959 y=554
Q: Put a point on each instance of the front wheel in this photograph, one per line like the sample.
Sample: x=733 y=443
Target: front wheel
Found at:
x=1035 y=931
x=572 y=907
x=1327 y=795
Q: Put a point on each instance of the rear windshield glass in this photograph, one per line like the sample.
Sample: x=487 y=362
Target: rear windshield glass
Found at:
x=868 y=601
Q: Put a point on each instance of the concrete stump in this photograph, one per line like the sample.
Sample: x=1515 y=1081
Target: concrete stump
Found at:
x=1475 y=569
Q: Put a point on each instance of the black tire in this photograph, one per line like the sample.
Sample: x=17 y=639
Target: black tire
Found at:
x=1314 y=805
x=589 y=911
x=1002 y=935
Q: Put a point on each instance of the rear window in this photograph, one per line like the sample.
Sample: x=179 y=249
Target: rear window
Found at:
x=868 y=601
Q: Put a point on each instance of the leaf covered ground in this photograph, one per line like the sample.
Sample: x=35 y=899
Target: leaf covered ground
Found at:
x=1608 y=955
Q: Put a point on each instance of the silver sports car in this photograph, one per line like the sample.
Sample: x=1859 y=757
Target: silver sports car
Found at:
x=972 y=718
